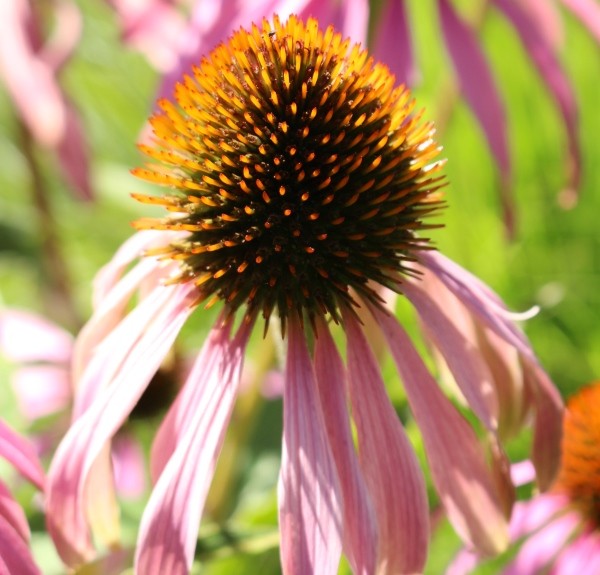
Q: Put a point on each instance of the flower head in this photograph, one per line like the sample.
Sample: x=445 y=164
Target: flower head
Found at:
x=294 y=163
x=298 y=184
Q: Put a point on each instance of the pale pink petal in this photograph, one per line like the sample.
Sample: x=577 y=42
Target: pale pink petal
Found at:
x=463 y=358
x=477 y=83
x=89 y=434
x=545 y=60
x=73 y=154
x=21 y=454
x=12 y=513
x=522 y=473
x=169 y=526
x=391 y=468
x=41 y=390
x=541 y=548
x=588 y=12
x=128 y=463
x=360 y=530
x=29 y=80
x=392 y=42
x=28 y=337
x=309 y=494
x=579 y=557
x=183 y=410
x=455 y=456
x=529 y=516
x=133 y=248
x=114 y=350
x=153 y=27
x=463 y=563
x=15 y=557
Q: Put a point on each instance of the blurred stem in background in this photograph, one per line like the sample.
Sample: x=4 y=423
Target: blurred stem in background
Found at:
x=56 y=294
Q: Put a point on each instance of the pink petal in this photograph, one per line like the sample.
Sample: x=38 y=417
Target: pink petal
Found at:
x=393 y=42
x=522 y=473
x=64 y=36
x=545 y=60
x=29 y=80
x=477 y=83
x=21 y=454
x=183 y=410
x=73 y=155
x=169 y=526
x=42 y=390
x=28 y=337
x=360 y=530
x=12 y=513
x=350 y=18
x=464 y=360
x=588 y=12
x=580 y=556
x=548 y=19
x=541 y=548
x=15 y=557
x=128 y=462
x=455 y=456
x=463 y=563
x=391 y=469
x=90 y=433
x=529 y=516
x=115 y=349
x=308 y=490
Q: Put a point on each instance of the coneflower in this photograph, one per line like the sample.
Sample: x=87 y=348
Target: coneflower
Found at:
x=298 y=183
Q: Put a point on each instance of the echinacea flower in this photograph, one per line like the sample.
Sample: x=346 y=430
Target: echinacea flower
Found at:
x=15 y=555
x=559 y=531
x=298 y=183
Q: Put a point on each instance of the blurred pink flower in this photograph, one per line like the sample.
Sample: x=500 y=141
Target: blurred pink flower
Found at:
x=309 y=251
x=15 y=556
x=41 y=354
x=558 y=532
x=29 y=68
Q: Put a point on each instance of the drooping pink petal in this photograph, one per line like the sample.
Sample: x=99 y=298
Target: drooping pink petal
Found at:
x=588 y=12
x=64 y=37
x=20 y=453
x=90 y=433
x=360 y=529
x=128 y=463
x=169 y=526
x=351 y=17
x=28 y=337
x=182 y=412
x=542 y=547
x=309 y=496
x=41 y=390
x=543 y=56
x=464 y=360
x=15 y=556
x=12 y=513
x=477 y=84
x=548 y=430
x=392 y=43
x=455 y=456
x=580 y=556
x=108 y=356
x=548 y=20
x=463 y=563
x=30 y=81
x=522 y=473
x=391 y=469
